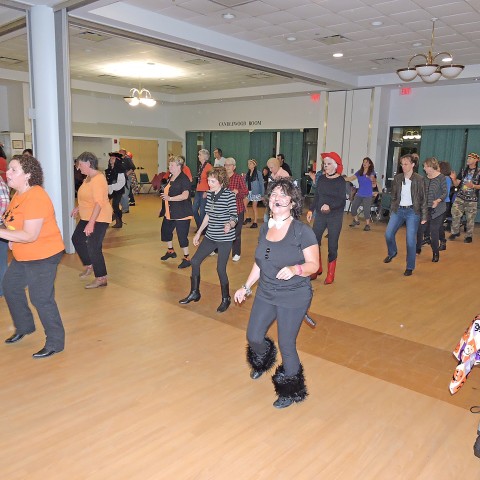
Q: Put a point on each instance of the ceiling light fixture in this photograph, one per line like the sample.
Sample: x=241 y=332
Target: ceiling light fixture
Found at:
x=140 y=97
x=291 y=38
x=429 y=71
x=412 y=135
x=376 y=23
x=338 y=55
x=228 y=16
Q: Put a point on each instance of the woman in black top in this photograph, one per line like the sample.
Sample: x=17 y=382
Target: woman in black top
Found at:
x=221 y=218
x=329 y=204
x=115 y=174
x=286 y=255
x=436 y=192
x=176 y=210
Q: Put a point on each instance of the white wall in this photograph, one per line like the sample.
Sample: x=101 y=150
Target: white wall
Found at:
x=4 y=120
x=15 y=108
x=436 y=105
x=101 y=147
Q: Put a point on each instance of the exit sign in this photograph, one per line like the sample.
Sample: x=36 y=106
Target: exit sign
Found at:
x=405 y=91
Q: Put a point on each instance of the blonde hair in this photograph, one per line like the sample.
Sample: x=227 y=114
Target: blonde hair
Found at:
x=432 y=162
x=273 y=161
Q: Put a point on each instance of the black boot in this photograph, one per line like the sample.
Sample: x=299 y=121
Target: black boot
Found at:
x=443 y=245
x=260 y=364
x=194 y=295
x=289 y=389
x=226 y=300
x=118 y=222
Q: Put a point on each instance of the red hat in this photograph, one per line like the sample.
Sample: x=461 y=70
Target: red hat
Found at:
x=336 y=158
x=129 y=154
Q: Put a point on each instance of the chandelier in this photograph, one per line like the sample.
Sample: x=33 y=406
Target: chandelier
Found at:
x=137 y=97
x=429 y=71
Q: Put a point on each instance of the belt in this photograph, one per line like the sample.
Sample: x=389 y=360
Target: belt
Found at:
x=409 y=206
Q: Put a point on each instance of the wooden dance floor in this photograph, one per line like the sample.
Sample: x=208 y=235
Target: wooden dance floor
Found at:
x=149 y=389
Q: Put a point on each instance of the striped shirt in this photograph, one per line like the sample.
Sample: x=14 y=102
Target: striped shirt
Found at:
x=221 y=209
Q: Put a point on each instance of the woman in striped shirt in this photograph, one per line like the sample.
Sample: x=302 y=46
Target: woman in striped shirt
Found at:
x=221 y=218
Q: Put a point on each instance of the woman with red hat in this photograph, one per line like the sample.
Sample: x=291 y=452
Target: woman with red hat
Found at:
x=329 y=204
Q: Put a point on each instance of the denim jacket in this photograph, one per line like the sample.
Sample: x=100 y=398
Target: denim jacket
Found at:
x=419 y=196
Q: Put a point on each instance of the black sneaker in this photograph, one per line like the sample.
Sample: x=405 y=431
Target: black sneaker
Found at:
x=453 y=236
x=185 y=263
x=247 y=221
x=169 y=255
x=254 y=225
x=132 y=204
x=443 y=246
x=468 y=240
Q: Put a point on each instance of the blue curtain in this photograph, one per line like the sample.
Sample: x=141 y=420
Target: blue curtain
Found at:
x=262 y=146
x=291 y=145
x=444 y=143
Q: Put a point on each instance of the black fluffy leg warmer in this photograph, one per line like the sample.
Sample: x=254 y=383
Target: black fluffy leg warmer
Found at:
x=292 y=388
x=262 y=363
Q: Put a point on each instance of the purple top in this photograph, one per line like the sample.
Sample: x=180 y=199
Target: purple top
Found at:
x=365 y=186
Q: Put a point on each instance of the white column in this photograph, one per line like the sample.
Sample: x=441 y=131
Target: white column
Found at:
x=50 y=112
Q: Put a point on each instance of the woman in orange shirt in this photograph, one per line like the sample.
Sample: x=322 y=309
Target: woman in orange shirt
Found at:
x=37 y=246
x=200 y=200
x=95 y=216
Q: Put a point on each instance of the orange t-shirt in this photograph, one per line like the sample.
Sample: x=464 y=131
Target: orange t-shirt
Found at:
x=31 y=205
x=186 y=170
x=203 y=183
x=92 y=192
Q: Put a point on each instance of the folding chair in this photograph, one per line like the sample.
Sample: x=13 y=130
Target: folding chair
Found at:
x=144 y=180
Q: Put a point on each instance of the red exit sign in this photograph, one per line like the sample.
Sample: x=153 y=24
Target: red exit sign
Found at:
x=405 y=91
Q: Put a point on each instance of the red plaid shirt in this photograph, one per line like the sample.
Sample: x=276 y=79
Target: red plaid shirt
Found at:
x=237 y=182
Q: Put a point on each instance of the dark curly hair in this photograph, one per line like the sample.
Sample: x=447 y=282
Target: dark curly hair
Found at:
x=220 y=174
x=289 y=188
x=30 y=165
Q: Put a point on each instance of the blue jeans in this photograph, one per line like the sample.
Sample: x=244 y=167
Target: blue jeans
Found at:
x=3 y=262
x=199 y=204
x=397 y=219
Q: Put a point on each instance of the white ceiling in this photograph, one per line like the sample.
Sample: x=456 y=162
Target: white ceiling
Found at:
x=259 y=31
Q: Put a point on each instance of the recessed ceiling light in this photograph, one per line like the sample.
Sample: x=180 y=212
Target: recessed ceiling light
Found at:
x=377 y=23
x=228 y=16
x=338 y=55
x=374 y=68
x=417 y=44
x=291 y=38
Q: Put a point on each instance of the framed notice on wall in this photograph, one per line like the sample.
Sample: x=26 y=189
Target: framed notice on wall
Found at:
x=17 y=144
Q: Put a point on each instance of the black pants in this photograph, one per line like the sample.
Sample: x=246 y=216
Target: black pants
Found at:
x=182 y=227
x=89 y=248
x=289 y=320
x=432 y=229
x=116 y=199
x=39 y=277
x=204 y=250
x=332 y=222
x=237 y=243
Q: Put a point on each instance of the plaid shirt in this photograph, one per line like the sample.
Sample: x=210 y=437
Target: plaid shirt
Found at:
x=4 y=198
x=237 y=182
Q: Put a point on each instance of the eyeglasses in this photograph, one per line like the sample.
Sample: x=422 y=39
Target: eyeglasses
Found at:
x=267 y=251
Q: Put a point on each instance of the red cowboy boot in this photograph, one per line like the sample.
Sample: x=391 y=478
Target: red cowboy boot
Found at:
x=314 y=276
x=331 y=272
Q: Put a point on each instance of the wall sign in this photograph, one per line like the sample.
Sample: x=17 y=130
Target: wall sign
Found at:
x=241 y=123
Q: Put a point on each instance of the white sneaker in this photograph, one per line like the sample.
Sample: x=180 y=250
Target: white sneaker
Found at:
x=236 y=258
x=212 y=254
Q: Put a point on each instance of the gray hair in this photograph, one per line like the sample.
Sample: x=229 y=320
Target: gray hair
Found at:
x=231 y=160
x=90 y=158
x=204 y=151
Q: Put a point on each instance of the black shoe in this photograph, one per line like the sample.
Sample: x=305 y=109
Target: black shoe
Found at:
x=282 y=402
x=224 y=305
x=16 y=337
x=389 y=258
x=191 y=297
x=443 y=246
x=254 y=374
x=436 y=257
x=169 y=255
x=453 y=236
x=131 y=204
x=247 y=220
x=254 y=225
x=185 y=263
x=419 y=251
x=426 y=241
x=44 y=353
x=408 y=272
x=468 y=240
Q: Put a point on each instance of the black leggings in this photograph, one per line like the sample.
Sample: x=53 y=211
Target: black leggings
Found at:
x=289 y=320
x=332 y=222
x=204 y=250
x=116 y=199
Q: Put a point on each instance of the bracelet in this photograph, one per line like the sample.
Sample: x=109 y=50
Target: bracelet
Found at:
x=299 y=269
x=248 y=291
